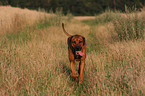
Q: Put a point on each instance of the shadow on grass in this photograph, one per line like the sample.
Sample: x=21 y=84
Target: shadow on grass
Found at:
x=66 y=70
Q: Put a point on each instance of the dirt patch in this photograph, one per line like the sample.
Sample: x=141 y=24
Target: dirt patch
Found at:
x=84 y=17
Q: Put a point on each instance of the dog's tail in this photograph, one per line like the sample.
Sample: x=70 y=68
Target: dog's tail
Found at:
x=65 y=30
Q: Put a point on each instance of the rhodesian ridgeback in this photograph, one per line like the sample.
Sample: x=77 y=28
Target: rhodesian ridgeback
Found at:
x=77 y=52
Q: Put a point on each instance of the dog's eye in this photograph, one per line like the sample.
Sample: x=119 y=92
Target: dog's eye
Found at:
x=74 y=42
x=80 y=41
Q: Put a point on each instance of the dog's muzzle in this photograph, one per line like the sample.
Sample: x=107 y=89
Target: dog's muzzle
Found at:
x=78 y=48
x=78 y=51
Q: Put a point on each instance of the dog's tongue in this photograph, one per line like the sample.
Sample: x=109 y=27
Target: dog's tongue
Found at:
x=80 y=53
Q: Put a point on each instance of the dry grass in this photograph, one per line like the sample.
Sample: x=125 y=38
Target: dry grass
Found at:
x=15 y=19
x=40 y=66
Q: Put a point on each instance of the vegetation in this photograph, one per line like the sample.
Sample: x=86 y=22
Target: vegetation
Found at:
x=77 y=7
x=129 y=27
x=34 y=58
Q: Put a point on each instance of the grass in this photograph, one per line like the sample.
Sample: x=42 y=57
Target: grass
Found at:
x=103 y=18
x=33 y=60
x=130 y=27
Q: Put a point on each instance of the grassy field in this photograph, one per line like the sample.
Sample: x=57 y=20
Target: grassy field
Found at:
x=34 y=57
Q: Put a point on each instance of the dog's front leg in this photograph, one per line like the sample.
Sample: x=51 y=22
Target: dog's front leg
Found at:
x=81 y=69
x=74 y=73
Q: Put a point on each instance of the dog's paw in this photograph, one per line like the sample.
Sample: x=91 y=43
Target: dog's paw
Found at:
x=75 y=75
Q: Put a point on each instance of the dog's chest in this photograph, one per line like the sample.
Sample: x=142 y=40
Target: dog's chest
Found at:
x=77 y=56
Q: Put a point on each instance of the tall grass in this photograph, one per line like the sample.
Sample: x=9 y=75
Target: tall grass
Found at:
x=40 y=66
x=56 y=19
x=103 y=18
x=129 y=27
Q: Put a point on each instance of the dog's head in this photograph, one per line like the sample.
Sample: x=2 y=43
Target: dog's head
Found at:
x=76 y=42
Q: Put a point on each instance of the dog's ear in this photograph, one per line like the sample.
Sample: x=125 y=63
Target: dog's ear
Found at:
x=69 y=41
x=84 y=41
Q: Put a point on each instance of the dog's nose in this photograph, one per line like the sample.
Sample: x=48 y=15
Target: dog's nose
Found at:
x=78 y=48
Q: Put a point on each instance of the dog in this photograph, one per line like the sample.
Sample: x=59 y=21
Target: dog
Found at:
x=77 y=52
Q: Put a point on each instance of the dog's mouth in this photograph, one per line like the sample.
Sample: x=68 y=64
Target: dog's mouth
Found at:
x=79 y=53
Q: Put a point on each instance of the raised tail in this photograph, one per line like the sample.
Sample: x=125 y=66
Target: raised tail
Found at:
x=65 y=30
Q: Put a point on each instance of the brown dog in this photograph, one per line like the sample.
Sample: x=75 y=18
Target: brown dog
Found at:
x=77 y=52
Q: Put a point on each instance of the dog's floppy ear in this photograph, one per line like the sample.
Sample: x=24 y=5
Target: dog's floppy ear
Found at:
x=69 y=41
x=84 y=41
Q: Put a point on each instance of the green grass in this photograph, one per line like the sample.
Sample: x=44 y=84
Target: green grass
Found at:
x=92 y=42
x=89 y=22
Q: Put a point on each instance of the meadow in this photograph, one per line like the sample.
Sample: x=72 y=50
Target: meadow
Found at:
x=34 y=57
